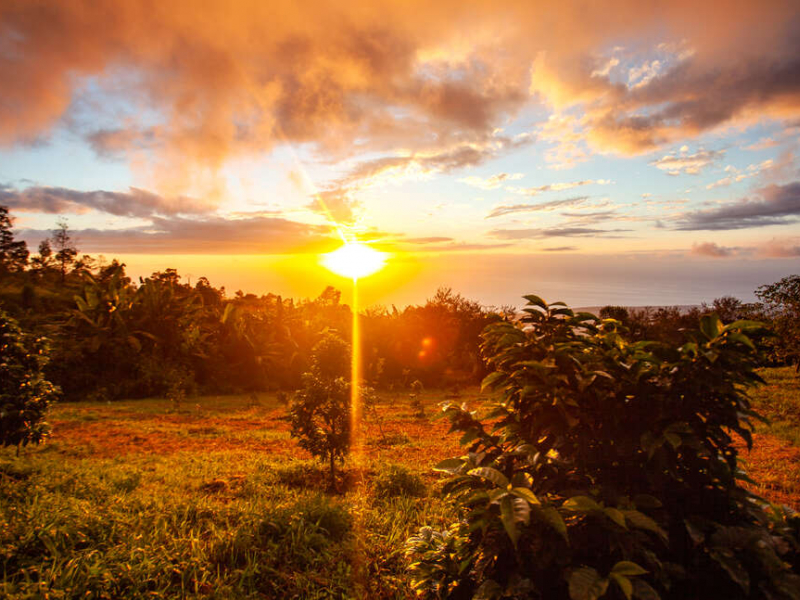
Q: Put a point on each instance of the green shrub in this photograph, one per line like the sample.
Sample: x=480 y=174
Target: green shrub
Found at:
x=607 y=469
x=396 y=480
x=25 y=394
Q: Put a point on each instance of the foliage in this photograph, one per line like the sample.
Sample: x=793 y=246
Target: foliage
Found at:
x=397 y=480
x=320 y=411
x=782 y=305
x=13 y=254
x=607 y=469
x=25 y=394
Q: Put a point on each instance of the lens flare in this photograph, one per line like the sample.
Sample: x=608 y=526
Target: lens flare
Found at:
x=354 y=260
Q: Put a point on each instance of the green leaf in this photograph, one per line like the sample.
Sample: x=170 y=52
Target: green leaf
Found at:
x=493 y=475
x=624 y=584
x=642 y=521
x=449 y=465
x=744 y=325
x=742 y=339
x=581 y=504
x=553 y=518
x=644 y=591
x=536 y=301
x=491 y=380
x=586 y=583
x=733 y=567
x=711 y=326
x=628 y=568
x=509 y=519
x=525 y=494
x=615 y=515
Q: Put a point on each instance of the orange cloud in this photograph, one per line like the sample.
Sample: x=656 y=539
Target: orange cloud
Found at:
x=190 y=85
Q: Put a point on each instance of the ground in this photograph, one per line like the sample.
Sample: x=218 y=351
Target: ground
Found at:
x=212 y=498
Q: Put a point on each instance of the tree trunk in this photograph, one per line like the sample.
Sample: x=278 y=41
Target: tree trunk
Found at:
x=333 y=470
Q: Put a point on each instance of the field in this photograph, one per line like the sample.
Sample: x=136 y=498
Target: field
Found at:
x=212 y=498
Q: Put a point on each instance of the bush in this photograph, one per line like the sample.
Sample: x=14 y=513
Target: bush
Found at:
x=395 y=481
x=607 y=469
x=24 y=392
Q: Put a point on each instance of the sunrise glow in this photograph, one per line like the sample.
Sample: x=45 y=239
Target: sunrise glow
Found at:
x=354 y=260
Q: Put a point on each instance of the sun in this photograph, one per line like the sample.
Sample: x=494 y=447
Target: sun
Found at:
x=354 y=260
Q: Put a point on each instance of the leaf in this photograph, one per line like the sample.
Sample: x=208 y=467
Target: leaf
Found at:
x=553 y=518
x=642 y=521
x=711 y=326
x=490 y=474
x=628 y=568
x=742 y=339
x=644 y=591
x=585 y=583
x=536 y=301
x=744 y=325
x=449 y=465
x=509 y=520
x=624 y=584
x=491 y=380
x=615 y=515
x=581 y=504
x=525 y=494
x=733 y=567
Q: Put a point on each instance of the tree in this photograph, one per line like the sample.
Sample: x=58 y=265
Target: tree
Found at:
x=320 y=411
x=607 y=469
x=782 y=305
x=25 y=394
x=13 y=254
x=66 y=251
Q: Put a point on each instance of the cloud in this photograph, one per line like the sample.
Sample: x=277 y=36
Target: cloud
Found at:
x=556 y=187
x=772 y=205
x=342 y=193
x=210 y=235
x=194 y=85
x=133 y=203
x=683 y=162
x=559 y=249
x=521 y=234
x=711 y=249
x=736 y=175
x=428 y=240
x=780 y=248
x=491 y=183
x=509 y=209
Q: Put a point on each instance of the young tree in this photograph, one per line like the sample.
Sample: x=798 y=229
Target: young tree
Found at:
x=607 y=469
x=13 y=254
x=24 y=392
x=320 y=411
x=65 y=248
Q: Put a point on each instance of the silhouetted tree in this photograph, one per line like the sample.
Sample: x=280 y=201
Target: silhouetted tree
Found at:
x=13 y=253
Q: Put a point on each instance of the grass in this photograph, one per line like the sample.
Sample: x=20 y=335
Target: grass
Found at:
x=779 y=401
x=213 y=499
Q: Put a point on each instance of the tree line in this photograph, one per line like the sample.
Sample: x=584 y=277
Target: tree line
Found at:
x=111 y=337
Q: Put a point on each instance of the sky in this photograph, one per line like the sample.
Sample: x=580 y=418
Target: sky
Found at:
x=636 y=153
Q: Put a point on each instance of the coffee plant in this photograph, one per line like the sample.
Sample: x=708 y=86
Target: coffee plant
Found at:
x=320 y=411
x=25 y=394
x=606 y=468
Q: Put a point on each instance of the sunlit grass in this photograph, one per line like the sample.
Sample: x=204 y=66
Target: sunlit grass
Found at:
x=139 y=499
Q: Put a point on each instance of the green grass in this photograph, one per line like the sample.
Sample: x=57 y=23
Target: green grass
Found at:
x=213 y=499
x=143 y=500
x=779 y=402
